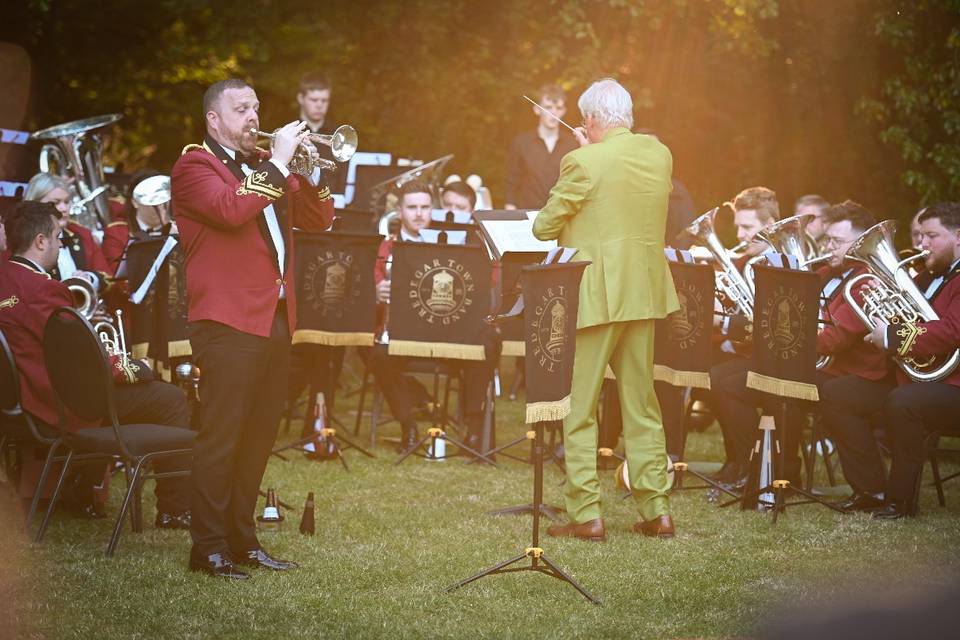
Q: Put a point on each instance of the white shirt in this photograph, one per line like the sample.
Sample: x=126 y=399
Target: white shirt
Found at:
x=937 y=282
x=406 y=237
x=65 y=263
x=273 y=225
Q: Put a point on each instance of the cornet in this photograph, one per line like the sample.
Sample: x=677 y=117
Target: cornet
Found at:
x=342 y=143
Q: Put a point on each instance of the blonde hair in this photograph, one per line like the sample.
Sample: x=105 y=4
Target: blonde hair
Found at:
x=42 y=184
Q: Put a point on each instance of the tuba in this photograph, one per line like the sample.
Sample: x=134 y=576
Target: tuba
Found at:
x=736 y=292
x=73 y=150
x=893 y=298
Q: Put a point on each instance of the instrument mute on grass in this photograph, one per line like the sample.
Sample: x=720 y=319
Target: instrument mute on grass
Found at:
x=307 y=522
x=271 y=518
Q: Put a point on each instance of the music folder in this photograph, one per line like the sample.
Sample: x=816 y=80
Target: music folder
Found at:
x=511 y=231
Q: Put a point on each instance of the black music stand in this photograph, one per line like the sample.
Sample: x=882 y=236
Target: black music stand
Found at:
x=548 y=388
x=784 y=367
x=340 y=443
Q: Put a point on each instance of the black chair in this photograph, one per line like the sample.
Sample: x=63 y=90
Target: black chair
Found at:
x=80 y=374
x=19 y=427
x=933 y=451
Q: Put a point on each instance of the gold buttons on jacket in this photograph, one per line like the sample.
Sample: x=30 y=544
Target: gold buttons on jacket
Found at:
x=279 y=281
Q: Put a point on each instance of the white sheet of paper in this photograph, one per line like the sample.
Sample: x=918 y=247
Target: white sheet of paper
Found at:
x=516 y=235
x=141 y=293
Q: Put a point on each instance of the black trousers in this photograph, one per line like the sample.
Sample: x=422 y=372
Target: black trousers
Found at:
x=388 y=371
x=242 y=387
x=159 y=403
x=851 y=410
x=912 y=412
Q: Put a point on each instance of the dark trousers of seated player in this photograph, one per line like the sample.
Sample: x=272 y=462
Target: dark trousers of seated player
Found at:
x=912 y=412
x=671 y=411
x=388 y=372
x=851 y=411
x=314 y=367
x=736 y=408
x=144 y=403
x=242 y=389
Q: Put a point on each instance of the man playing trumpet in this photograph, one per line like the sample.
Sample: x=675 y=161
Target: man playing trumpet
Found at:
x=236 y=207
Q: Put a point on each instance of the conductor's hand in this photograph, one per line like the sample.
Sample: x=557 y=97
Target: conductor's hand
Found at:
x=383 y=292
x=581 y=135
x=287 y=139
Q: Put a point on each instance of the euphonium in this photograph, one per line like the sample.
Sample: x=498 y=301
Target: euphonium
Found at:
x=729 y=282
x=85 y=299
x=893 y=298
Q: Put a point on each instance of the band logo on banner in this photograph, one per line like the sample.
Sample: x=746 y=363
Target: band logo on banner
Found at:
x=439 y=297
x=785 y=333
x=158 y=327
x=335 y=286
x=552 y=296
x=682 y=346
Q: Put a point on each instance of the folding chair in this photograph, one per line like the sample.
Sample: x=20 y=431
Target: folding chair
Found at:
x=80 y=374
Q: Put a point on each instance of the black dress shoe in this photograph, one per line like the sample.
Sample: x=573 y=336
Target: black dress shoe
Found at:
x=260 y=558
x=171 y=521
x=892 y=511
x=864 y=502
x=218 y=565
x=409 y=440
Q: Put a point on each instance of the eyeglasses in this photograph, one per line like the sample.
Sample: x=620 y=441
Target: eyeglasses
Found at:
x=835 y=242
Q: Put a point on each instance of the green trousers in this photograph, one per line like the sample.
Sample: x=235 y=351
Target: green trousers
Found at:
x=628 y=348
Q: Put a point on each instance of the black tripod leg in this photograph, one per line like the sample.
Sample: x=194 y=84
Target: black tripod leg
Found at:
x=563 y=576
x=343 y=461
x=473 y=452
x=407 y=453
x=353 y=445
x=486 y=572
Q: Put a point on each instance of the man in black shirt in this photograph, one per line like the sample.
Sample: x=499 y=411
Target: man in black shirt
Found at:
x=534 y=161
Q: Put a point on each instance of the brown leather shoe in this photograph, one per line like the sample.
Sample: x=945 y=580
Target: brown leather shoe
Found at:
x=661 y=527
x=593 y=530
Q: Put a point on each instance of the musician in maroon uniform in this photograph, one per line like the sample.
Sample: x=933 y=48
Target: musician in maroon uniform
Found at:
x=235 y=208
x=840 y=338
x=28 y=295
x=913 y=410
x=414 y=207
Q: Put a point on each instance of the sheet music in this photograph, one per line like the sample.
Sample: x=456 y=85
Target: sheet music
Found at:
x=453 y=236
x=516 y=235
x=141 y=292
x=457 y=217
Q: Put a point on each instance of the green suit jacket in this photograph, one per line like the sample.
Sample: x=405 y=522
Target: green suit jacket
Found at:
x=610 y=203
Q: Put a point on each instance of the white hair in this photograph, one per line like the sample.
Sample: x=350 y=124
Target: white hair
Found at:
x=42 y=184
x=609 y=104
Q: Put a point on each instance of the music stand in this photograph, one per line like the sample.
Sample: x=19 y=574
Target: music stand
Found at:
x=550 y=326
x=783 y=366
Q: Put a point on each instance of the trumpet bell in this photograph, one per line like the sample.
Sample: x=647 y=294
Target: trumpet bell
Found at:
x=343 y=142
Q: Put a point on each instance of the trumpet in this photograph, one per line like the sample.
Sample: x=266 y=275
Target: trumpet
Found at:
x=342 y=143
x=112 y=337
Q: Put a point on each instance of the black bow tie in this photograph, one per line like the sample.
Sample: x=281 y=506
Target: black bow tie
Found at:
x=249 y=160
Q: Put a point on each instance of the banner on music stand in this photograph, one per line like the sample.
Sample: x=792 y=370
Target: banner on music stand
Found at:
x=682 y=345
x=158 y=326
x=336 y=295
x=551 y=296
x=785 y=333
x=439 y=299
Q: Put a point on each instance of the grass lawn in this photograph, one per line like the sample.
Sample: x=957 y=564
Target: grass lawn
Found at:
x=391 y=538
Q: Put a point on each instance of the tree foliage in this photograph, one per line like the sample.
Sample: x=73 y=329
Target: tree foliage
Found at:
x=744 y=92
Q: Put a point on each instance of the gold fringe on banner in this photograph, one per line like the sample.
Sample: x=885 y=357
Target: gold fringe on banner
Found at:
x=139 y=350
x=548 y=411
x=783 y=388
x=333 y=339
x=436 y=350
x=179 y=348
x=514 y=348
x=697 y=379
x=176 y=349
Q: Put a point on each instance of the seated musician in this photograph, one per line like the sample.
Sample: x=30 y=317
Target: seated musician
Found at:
x=458 y=196
x=853 y=364
x=29 y=295
x=817 y=226
x=913 y=410
x=142 y=220
x=414 y=206
x=80 y=254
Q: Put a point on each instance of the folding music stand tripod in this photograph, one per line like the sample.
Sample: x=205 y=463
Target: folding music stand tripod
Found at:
x=539 y=562
x=339 y=443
